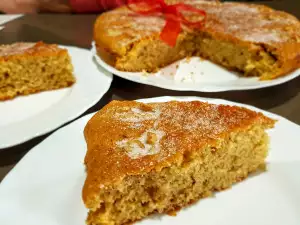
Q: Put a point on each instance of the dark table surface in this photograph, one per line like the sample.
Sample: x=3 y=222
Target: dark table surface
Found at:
x=76 y=30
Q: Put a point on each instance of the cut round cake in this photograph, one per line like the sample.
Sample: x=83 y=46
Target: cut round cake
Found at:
x=159 y=157
x=252 y=39
x=27 y=68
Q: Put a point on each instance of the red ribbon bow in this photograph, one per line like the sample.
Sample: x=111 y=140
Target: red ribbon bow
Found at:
x=173 y=14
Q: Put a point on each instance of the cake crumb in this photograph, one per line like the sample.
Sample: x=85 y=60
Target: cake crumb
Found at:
x=172 y=213
x=188 y=59
x=145 y=73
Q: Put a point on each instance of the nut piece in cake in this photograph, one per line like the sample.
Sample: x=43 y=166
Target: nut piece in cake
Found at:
x=27 y=68
x=252 y=39
x=157 y=160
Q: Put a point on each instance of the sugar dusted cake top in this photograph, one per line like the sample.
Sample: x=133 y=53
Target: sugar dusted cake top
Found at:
x=127 y=138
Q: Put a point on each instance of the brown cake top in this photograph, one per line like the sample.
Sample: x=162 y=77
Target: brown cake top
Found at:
x=27 y=48
x=238 y=21
x=127 y=138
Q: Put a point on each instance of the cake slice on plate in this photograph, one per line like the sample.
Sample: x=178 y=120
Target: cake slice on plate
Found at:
x=27 y=68
x=159 y=157
x=252 y=39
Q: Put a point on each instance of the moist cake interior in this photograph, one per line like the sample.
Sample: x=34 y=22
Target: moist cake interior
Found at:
x=152 y=53
x=196 y=176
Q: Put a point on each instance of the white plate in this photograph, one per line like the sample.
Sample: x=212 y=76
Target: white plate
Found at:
x=45 y=187
x=26 y=117
x=196 y=74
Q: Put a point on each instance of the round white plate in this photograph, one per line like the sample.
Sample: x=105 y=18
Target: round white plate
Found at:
x=195 y=74
x=45 y=187
x=26 y=117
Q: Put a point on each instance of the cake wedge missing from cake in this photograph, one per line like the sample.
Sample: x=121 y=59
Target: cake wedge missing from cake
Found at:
x=27 y=68
x=254 y=40
x=158 y=157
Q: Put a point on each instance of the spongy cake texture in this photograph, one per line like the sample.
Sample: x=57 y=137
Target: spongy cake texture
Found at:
x=27 y=68
x=252 y=39
x=159 y=157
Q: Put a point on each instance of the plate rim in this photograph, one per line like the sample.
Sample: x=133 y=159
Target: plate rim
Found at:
x=30 y=133
x=139 y=78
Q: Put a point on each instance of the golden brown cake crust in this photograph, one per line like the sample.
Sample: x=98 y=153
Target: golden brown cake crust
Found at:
x=120 y=137
x=119 y=30
x=25 y=49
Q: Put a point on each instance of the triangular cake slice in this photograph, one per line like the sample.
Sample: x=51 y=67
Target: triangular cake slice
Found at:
x=159 y=157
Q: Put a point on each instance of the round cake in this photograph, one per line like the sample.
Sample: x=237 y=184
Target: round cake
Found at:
x=252 y=39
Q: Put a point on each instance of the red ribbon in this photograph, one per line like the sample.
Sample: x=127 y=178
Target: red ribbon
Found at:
x=172 y=13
